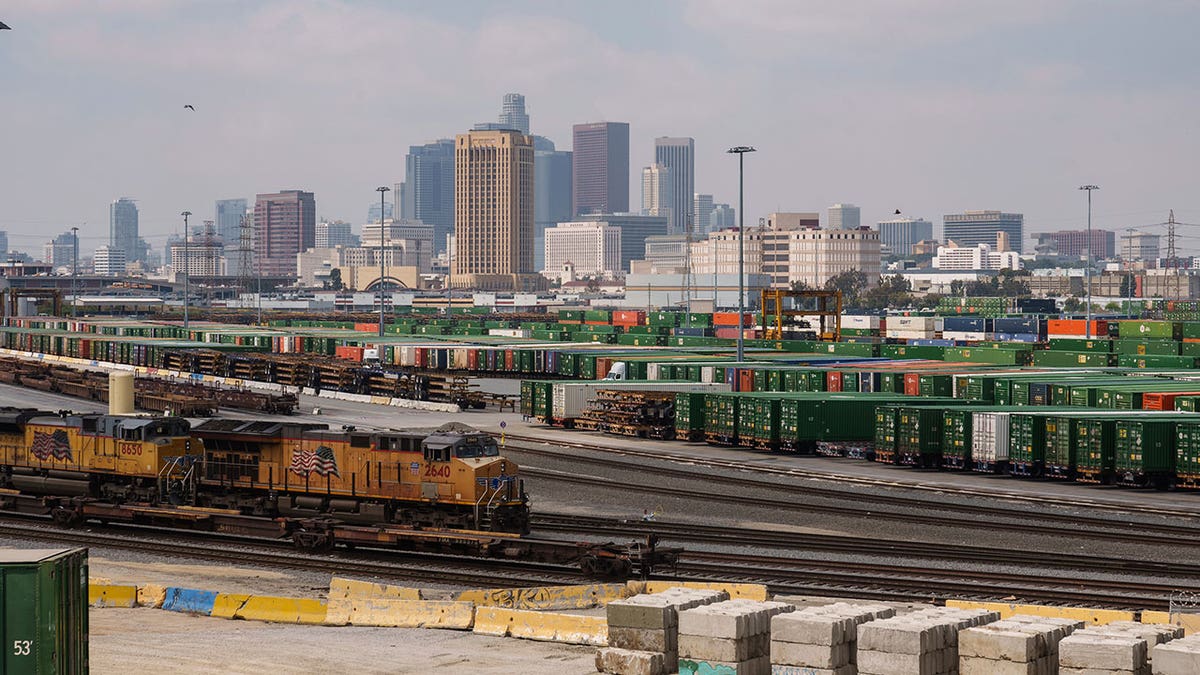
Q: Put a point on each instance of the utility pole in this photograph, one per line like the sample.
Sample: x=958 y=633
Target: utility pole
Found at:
x=382 y=190
x=186 y=261
x=1089 y=189
x=741 y=151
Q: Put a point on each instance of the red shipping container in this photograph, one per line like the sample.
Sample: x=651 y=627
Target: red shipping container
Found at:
x=745 y=379
x=347 y=352
x=628 y=318
x=1161 y=400
x=510 y=359
x=419 y=356
x=473 y=359
x=912 y=384
x=1076 y=327
x=730 y=333
x=603 y=365
x=731 y=319
x=833 y=381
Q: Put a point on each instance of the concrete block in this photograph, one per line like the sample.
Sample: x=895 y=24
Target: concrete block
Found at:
x=902 y=636
x=629 y=662
x=1112 y=652
x=732 y=619
x=871 y=662
x=970 y=665
x=703 y=648
x=1152 y=633
x=1001 y=644
x=759 y=666
x=777 y=669
x=1178 y=657
x=812 y=656
x=812 y=628
x=643 y=639
x=626 y=614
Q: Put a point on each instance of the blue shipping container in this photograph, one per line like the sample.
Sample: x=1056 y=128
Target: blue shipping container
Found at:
x=1020 y=324
x=965 y=324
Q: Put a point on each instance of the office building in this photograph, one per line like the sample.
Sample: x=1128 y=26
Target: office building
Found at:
x=493 y=211
x=551 y=194
x=790 y=253
x=229 y=221
x=60 y=251
x=899 y=235
x=679 y=156
x=3 y=242
x=722 y=217
x=657 y=195
x=600 y=168
x=285 y=223
x=513 y=115
x=593 y=248
x=791 y=220
x=634 y=231
x=108 y=261
x=702 y=207
x=1074 y=243
x=123 y=227
x=844 y=217
x=1136 y=245
x=405 y=243
x=338 y=233
x=972 y=228
x=204 y=256
x=667 y=251
x=979 y=257
x=427 y=193
x=373 y=211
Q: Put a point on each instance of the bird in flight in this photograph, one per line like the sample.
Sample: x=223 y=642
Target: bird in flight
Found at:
x=190 y=107
x=4 y=26
x=897 y=211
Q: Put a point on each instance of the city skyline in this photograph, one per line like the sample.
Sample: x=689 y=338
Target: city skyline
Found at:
x=898 y=125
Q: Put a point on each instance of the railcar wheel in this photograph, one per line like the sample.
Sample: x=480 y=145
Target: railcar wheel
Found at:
x=64 y=517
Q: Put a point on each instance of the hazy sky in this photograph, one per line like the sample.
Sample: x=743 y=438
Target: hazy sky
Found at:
x=929 y=106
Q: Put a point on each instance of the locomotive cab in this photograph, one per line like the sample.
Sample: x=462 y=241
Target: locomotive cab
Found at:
x=469 y=468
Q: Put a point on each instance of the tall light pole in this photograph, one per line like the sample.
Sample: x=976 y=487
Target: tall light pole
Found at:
x=741 y=151
x=186 y=276
x=74 y=269
x=382 y=190
x=1089 y=189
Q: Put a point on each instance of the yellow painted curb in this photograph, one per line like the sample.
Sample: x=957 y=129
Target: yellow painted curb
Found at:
x=1190 y=623
x=757 y=592
x=544 y=626
x=547 y=597
x=281 y=610
x=1091 y=615
x=352 y=588
x=151 y=595
x=400 y=613
x=226 y=605
x=108 y=595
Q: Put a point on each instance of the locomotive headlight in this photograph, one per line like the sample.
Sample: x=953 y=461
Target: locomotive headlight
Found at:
x=503 y=468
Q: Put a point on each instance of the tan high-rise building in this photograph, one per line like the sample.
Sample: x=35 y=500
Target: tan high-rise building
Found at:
x=493 y=211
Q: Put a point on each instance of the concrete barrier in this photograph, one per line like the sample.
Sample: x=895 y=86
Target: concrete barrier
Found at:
x=109 y=595
x=151 y=595
x=188 y=600
x=340 y=588
x=400 y=613
x=282 y=610
x=1190 y=623
x=547 y=597
x=226 y=605
x=542 y=626
x=1090 y=615
x=756 y=592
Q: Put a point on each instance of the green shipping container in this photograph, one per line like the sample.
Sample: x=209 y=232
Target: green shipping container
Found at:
x=44 y=629
x=1094 y=440
x=920 y=436
x=1145 y=330
x=1027 y=444
x=1144 y=452
x=1187 y=454
x=689 y=416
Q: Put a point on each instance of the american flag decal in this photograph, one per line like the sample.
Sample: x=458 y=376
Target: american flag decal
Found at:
x=321 y=460
x=55 y=445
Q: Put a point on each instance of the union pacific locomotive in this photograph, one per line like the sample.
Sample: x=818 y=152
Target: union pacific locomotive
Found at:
x=451 y=477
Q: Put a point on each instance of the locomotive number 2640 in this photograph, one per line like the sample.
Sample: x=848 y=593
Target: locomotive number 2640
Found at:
x=442 y=471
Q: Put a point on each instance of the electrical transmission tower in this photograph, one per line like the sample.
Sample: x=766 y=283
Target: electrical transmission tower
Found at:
x=245 y=257
x=1173 y=261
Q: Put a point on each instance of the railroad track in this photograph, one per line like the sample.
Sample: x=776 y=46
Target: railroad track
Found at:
x=687 y=533
x=873 y=507
x=841 y=478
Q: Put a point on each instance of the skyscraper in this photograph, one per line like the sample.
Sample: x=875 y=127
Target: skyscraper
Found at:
x=336 y=233
x=513 y=115
x=551 y=193
x=229 y=221
x=600 y=173
x=973 y=228
x=900 y=234
x=679 y=155
x=721 y=218
x=702 y=206
x=658 y=196
x=285 y=224
x=123 y=227
x=373 y=212
x=493 y=211
x=428 y=188
x=3 y=244
x=844 y=217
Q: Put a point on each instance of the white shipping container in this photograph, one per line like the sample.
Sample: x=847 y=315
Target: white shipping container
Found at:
x=969 y=335
x=989 y=436
x=571 y=398
x=860 y=322
x=511 y=332
x=652 y=370
x=922 y=323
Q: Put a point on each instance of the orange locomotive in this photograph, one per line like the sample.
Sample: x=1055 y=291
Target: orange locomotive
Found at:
x=451 y=477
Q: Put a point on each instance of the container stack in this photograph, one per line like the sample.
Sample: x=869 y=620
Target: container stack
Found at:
x=643 y=631
x=731 y=636
x=822 y=639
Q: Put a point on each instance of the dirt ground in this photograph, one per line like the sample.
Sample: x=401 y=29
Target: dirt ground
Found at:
x=147 y=640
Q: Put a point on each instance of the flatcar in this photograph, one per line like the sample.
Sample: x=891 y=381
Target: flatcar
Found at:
x=448 y=478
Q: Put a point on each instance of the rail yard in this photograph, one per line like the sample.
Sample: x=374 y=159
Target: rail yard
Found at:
x=622 y=447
